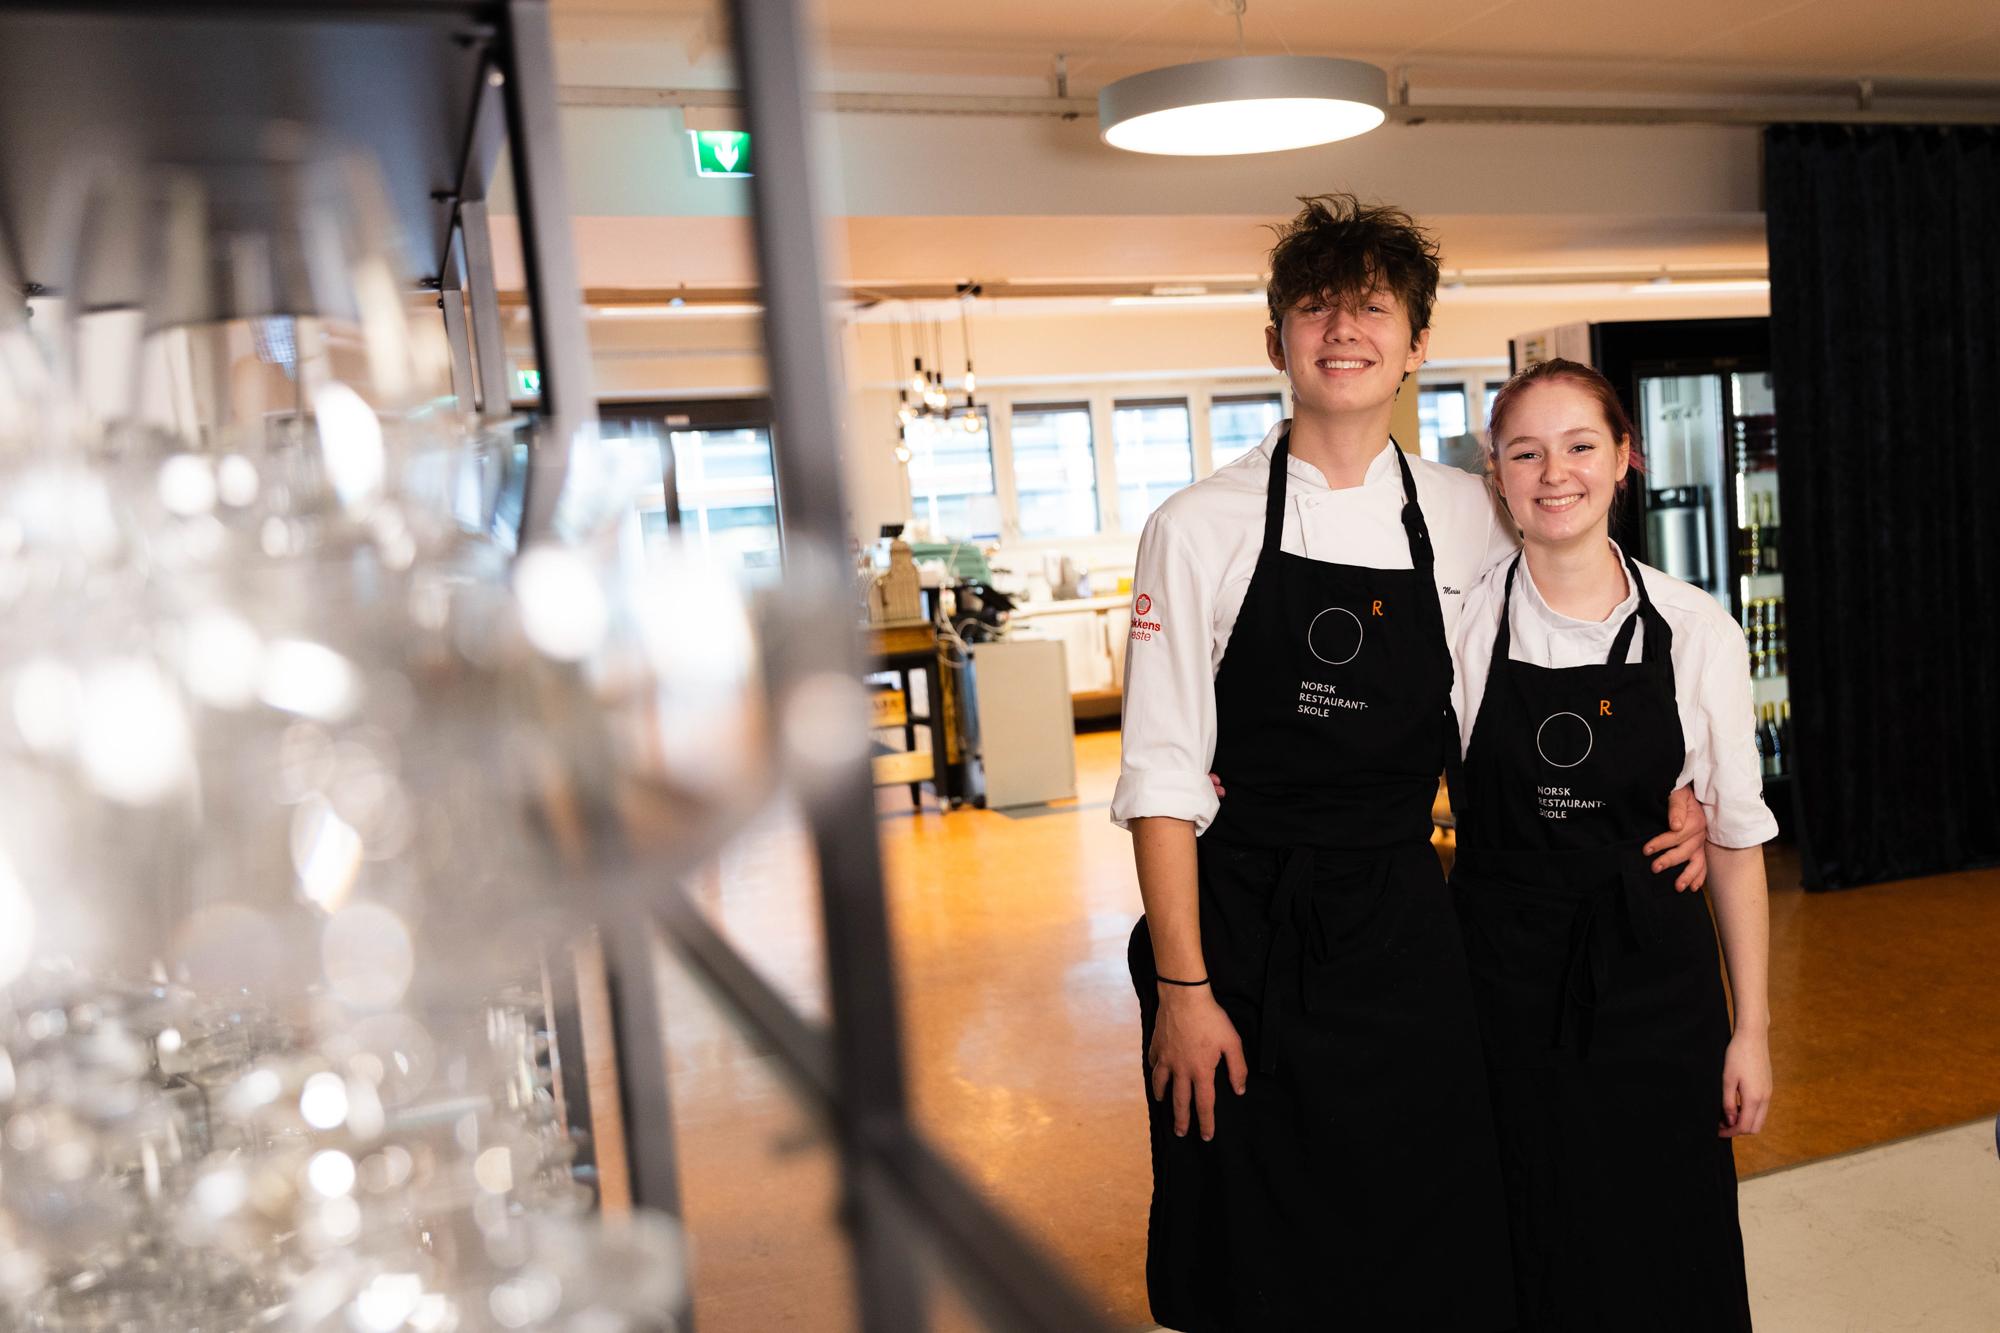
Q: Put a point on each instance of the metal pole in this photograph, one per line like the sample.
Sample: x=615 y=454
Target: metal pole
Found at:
x=451 y=299
x=777 y=76
x=489 y=344
x=541 y=191
x=643 y=1079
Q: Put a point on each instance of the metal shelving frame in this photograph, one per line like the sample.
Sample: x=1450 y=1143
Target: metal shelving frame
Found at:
x=438 y=89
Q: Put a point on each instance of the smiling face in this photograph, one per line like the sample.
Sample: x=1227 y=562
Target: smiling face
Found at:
x=1558 y=464
x=1345 y=357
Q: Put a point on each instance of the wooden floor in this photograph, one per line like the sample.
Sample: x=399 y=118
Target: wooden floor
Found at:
x=1023 y=1048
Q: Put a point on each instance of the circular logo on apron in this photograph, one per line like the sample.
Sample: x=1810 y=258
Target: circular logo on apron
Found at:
x=1143 y=605
x=1334 y=636
x=1564 y=740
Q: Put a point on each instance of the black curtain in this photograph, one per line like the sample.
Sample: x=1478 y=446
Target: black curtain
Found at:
x=1885 y=357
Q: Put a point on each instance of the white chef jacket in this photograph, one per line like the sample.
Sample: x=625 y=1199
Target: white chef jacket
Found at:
x=1711 y=681
x=1195 y=560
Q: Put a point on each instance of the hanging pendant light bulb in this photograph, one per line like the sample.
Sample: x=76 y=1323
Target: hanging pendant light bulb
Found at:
x=905 y=414
x=965 y=294
x=1242 y=104
x=970 y=421
x=918 y=380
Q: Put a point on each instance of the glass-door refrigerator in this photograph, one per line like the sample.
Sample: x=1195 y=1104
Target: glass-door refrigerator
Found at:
x=1705 y=509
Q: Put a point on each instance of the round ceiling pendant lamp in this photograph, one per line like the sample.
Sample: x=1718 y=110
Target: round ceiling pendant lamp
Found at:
x=1243 y=104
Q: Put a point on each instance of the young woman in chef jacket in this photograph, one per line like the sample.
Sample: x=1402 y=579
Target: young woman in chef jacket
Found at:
x=1588 y=687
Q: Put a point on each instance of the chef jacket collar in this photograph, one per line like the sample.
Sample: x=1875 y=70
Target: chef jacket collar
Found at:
x=1382 y=468
x=1555 y=622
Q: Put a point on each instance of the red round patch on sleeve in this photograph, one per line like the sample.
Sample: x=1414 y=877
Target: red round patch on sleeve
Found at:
x=1142 y=605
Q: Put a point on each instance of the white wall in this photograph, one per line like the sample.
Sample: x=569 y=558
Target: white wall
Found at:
x=635 y=162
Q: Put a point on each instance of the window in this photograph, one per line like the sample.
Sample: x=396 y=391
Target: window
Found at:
x=1237 y=424
x=728 y=493
x=1055 y=470
x=718 y=479
x=1440 y=416
x=1493 y=388
x=951 y=478
x=1154 y=454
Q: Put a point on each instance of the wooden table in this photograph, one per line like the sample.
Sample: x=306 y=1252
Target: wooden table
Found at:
x=908 y=647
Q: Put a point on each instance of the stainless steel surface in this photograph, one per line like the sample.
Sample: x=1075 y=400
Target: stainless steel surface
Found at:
x=1677 y=539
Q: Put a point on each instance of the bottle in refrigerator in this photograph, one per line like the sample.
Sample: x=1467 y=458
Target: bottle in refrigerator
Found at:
x=1750 y=544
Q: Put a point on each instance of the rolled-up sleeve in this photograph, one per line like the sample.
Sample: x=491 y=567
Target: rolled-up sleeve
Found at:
x=1169 y=721
x=1723 y=765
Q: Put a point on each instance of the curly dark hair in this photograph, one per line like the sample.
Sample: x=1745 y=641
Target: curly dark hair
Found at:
x=1341 y=248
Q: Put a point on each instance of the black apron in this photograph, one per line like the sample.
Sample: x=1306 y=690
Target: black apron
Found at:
x=1600 y=995
x=1355 y=1184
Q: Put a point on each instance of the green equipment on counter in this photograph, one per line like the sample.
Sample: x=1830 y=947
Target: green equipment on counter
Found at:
x=965 y=562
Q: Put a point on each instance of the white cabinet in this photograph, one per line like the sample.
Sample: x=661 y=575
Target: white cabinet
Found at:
x=1026 y=735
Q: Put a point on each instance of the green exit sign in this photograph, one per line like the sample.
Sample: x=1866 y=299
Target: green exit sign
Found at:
x=721 y=152
x=527 y=384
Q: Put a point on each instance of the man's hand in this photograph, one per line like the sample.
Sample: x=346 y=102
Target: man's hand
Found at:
x=1191 y=1036
x=1216 y=783
x=1685 y=842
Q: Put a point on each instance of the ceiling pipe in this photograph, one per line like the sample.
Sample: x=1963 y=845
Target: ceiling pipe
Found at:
x=1868 y=109
x=692 y=299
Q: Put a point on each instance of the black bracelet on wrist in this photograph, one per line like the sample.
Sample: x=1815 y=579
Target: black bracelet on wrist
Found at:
x=1169 y=981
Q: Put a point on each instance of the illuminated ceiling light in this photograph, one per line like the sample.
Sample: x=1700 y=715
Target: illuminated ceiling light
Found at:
x=1158 y=298
x=1700 y=286
x=1243 y=104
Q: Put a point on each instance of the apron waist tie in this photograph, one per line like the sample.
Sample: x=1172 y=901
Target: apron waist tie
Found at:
x=1602 y=924
x=1286 y=956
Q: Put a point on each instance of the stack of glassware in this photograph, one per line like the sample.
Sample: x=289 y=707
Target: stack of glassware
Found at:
x=303 y=774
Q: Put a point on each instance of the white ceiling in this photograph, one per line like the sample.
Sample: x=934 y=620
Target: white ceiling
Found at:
x=929 y=199
x=1581 y=46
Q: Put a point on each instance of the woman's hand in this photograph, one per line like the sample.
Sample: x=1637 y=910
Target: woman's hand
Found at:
x=1191 y=1036
x=1746 y=1085
x=1685 y=842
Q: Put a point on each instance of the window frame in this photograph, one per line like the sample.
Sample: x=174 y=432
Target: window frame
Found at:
x=1011 y=518
x=1000 y=399
x=667 y=415
x=1216 y=398
x=1129 y=404
x=1003 y=497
